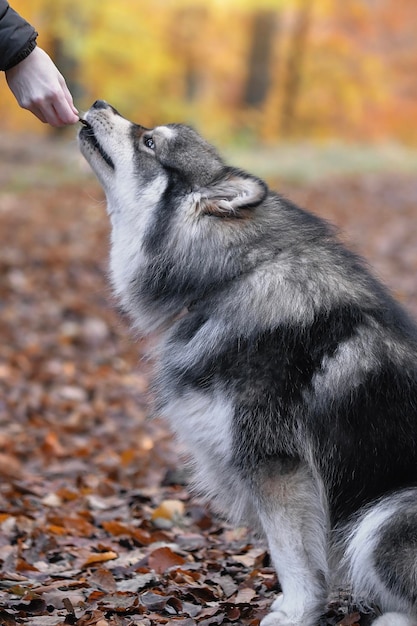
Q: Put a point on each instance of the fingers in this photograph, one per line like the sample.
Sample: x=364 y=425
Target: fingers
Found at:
x=63 y=106
x=39 y=87
x=61 y=113
x=38 y=112
x=68 y=98
x=57 y=110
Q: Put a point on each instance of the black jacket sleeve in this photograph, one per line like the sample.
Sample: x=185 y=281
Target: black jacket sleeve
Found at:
x=17 y=37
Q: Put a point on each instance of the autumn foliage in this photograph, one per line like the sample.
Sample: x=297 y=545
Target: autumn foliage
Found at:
x=241 y=69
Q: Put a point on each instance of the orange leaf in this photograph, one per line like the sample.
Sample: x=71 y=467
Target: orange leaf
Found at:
x=57 y=530
x=117 y=529
x=100 y=557
x=169 y=509
x=24 y=566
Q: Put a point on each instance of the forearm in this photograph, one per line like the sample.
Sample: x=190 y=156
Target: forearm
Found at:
x=17 y=37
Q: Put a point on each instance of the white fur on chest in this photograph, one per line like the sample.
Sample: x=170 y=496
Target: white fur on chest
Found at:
x=202 y=421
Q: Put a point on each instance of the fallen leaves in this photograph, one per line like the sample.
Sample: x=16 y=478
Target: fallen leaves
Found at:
x=96 y=525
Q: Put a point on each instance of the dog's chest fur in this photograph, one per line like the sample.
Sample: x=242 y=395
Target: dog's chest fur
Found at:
x=203 y=423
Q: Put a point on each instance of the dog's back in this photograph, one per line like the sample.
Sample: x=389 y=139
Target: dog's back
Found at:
x=287 y=369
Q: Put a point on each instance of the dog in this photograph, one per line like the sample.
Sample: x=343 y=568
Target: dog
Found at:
x=285 y=367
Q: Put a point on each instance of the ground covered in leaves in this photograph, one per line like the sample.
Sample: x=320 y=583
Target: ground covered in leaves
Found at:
x=97 y=526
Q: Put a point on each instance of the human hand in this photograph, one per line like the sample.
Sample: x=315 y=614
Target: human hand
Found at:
x=39 y=87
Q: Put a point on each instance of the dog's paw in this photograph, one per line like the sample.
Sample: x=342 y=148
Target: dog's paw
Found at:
x=284 y=614
x=276 y=619
x=279 y=618
x=276 y=605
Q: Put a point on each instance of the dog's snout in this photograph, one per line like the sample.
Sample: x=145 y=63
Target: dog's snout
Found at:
x=100 y=104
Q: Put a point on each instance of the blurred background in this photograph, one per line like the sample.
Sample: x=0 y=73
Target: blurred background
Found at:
x=319 y=97
x=242 y=70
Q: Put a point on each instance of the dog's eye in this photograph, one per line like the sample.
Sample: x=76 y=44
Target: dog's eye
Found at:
x=149 y=143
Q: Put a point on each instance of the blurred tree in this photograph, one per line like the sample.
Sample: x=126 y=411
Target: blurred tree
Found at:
x=58 y=15
x=295 y=66
x=264 y=29
x=239 y=69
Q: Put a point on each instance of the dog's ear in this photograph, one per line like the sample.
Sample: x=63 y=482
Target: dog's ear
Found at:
x=232 y=195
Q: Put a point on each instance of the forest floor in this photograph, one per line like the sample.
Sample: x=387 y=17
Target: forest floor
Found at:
x=97 y=526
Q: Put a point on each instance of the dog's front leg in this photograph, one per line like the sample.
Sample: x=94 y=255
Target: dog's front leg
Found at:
x=293 y=513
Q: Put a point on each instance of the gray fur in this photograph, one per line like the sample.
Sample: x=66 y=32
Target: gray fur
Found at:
x=283 y=365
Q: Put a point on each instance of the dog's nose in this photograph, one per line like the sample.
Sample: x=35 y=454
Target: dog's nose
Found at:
x=100 y=104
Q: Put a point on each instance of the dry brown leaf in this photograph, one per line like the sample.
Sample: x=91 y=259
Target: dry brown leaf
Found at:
x=9 y=466
x=253 y=558
x=162 y=559
x=117 y=529
x=103 y=579
x=244 y=596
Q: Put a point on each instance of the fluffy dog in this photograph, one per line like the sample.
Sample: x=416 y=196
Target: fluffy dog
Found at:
x=287 y=369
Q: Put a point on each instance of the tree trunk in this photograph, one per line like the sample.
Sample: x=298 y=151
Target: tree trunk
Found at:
x=294 y=67
x=264 y=27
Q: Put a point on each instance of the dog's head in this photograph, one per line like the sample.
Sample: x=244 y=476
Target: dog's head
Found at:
x=177 y=212
x=132 y=161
